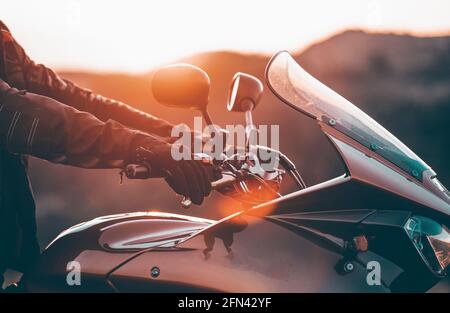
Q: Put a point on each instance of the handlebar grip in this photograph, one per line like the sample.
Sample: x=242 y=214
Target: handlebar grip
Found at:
x=136 y=171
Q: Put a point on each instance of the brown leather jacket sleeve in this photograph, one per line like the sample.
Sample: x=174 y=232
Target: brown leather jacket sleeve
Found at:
x=43 y=127
x=23 y=73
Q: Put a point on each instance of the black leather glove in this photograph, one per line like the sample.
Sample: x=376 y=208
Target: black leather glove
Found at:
x=190 y=178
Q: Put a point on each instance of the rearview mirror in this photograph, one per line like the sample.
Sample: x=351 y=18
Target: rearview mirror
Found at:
x=245 y=93
x=182 y=86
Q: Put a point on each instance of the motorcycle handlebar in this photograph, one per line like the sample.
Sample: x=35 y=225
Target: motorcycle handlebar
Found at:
x=136 y=171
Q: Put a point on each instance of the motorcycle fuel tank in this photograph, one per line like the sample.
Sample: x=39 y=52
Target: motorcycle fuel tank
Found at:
x=97 y=247
x=160 y=252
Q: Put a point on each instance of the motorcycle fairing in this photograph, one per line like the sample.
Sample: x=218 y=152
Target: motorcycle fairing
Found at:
x=359 y=140
x=266 y=258
x=367 y=168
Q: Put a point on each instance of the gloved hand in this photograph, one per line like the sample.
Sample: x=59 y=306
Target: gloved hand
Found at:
x=190 y=178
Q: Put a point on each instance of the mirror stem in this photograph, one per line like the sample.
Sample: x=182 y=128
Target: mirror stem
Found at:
x=250 y=130
x=206 y=116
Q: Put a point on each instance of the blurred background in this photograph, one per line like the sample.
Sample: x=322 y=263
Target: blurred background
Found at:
x=390 y=58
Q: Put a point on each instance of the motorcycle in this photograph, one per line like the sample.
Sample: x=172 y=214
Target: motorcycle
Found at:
x=383 y=225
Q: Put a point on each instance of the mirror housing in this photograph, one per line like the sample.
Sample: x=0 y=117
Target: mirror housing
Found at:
x=181 y=86
x=245 y=92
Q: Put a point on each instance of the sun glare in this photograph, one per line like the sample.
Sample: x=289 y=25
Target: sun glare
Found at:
x=137 y=35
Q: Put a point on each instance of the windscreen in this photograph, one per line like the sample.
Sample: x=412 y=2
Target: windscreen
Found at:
x=296 y=87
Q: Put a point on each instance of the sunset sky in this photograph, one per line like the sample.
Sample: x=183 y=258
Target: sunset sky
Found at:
x=137 y=35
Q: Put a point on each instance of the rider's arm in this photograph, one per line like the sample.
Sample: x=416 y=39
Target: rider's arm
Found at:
x=24 y=73
x=43 y=127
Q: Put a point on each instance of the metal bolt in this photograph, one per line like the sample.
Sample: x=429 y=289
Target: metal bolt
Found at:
x=373 y=147
x=415 y=173
x=349 y=267
x=155 y=271
x=332 y=122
